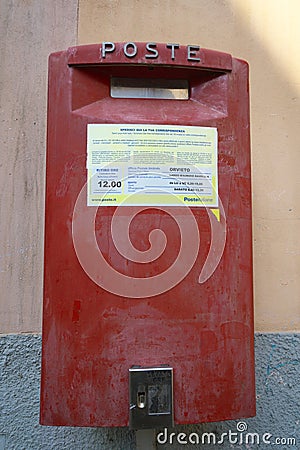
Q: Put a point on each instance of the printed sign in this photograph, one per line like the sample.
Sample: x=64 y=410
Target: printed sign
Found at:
x=152 y=165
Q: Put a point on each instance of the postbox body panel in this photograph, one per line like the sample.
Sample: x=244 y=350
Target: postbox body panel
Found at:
x=203 y=330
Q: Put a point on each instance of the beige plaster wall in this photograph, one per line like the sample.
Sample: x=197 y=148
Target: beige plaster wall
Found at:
x=29 y=31
x=266 y=33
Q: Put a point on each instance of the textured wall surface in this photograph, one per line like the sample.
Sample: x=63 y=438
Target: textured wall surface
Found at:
x=278 y=394
x=29 y=31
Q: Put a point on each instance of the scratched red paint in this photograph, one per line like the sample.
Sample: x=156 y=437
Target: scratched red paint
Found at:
x=204 y=331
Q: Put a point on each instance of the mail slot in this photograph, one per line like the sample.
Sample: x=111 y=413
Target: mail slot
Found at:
x=148 y=299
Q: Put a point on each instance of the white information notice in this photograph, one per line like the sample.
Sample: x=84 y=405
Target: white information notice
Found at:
x=152 y=165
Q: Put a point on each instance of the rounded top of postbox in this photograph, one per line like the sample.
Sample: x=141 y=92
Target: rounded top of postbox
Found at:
x=149 y=53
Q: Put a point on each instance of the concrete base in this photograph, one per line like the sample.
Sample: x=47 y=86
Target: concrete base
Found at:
x=145 y=439
x=278 y=395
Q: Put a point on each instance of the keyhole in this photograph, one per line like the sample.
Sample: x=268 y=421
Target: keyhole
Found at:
x=141 y=399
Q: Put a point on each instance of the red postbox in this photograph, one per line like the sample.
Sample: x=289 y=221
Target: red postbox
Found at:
x=148 y=250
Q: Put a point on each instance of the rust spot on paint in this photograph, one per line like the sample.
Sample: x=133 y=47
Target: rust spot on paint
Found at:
x=76 y=310
x=235 y=330
x=208 y=342
x=227 y=159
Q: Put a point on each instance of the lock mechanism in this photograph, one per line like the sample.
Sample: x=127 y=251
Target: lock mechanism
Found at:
x=150 y=397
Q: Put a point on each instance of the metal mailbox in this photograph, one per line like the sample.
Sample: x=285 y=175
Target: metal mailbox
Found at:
x=148 y=250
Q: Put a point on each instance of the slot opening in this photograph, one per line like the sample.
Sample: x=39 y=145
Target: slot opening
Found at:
x=149 y=88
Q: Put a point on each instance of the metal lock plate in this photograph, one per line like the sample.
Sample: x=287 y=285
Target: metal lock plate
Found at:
x=150 y=397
